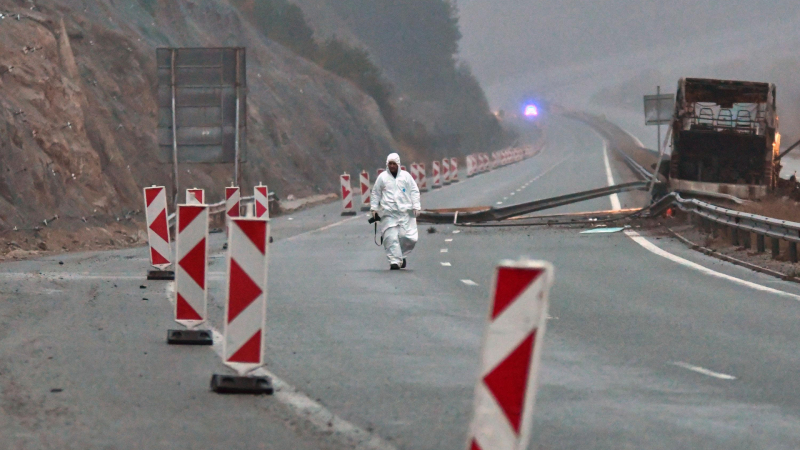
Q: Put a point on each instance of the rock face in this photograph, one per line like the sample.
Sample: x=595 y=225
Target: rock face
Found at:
x=78 y=109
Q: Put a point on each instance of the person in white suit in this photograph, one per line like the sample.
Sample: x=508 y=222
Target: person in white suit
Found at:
x=396 y=194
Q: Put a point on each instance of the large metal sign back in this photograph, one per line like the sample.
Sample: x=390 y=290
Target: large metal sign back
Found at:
x=198 y=93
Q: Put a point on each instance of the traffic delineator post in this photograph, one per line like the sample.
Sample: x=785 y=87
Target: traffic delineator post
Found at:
x=245 y=307
x=446 y=171
x=158 y=239
x=437 y=177
x=415 y=173
x=470 y=166
x=453 y=170
x=423 y=178
x=348 y=206
x=191 y=290
x=195 y=196
x=261 y=201
x=233 y=197
x=511 y=354
x=363 y=180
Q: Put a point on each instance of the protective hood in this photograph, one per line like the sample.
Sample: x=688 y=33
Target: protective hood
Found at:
x=393 y=157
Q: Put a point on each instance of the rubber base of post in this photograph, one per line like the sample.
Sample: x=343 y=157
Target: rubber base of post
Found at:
x=365 y=208
x=349 y=213
x=437 y=187
x=160 y=275
x=189 y=337
x=232 y=384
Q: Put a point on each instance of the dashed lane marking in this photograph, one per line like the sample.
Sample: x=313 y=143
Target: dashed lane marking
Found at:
x=456 y=231
x=469 y=282
x=449 y=240
x=444 y=250
x=499 y=203
x=446 y=264
x=704 y=371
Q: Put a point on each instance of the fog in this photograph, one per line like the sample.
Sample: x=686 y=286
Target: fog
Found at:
x=604 y=55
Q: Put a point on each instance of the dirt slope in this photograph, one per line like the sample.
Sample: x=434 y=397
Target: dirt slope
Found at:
x=78 y=109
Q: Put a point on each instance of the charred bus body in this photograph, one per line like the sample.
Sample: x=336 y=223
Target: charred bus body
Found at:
x=725 y=138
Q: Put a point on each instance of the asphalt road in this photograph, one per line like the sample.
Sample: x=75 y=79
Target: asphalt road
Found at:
x=641 y=351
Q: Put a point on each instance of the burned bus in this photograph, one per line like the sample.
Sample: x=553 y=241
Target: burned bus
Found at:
x=724 y=138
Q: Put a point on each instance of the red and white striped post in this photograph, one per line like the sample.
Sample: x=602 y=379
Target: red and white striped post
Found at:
x=365 y=190
x=415 y=173
x=453 y=170
x=437 y=179
x=446 y=171
x=232 y=202
x=470 y=166
x=348 y=208
x=155 y=198
x=403 y=168
x=511 y=354
x=195 y=196
x=423 y=179
x=245 y=307
x=380 y=171
x=191 y=270
x=261 y=201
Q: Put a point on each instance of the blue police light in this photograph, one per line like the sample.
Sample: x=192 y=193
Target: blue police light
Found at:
x=531 y=111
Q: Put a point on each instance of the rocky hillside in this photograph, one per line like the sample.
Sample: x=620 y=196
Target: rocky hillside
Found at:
x=78 y=109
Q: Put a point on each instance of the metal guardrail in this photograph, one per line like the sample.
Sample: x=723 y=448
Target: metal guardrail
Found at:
x=219 y=207
x=761 y=225
x=506 y=212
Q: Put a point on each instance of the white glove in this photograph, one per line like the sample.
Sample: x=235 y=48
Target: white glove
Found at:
x=417 y=213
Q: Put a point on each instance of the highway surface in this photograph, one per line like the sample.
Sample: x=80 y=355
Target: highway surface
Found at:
x=649 y=345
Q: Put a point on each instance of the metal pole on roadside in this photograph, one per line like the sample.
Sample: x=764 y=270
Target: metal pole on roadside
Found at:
x=658 y=144
x=174 y=132
x=236 y=132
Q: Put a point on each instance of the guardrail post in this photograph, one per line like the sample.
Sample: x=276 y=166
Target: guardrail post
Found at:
x=760 y=244
x=776 y=247
x=746 y=240
x=734 y=237
x=793 y=252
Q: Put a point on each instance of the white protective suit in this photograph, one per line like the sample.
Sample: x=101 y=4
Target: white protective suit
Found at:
x=395 y=199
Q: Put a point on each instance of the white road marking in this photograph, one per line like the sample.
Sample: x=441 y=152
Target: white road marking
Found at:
x=698 y=369
x=303 y=406
x=519 y=190
x=456 y=231
x=449 y=240
x=505 y=198
x=469 y=282
x=290 y=218
x=684 y=262
x=615 y=205
x=499 y=203
x=444 y=250
x=446 y=264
